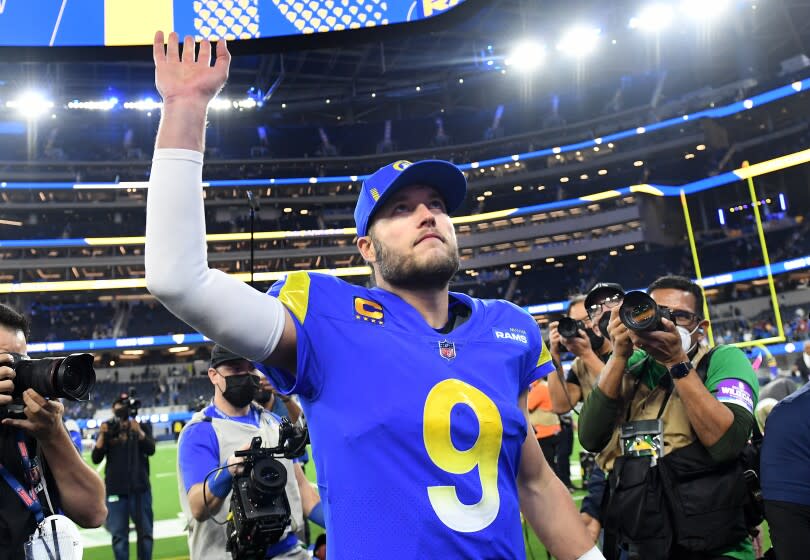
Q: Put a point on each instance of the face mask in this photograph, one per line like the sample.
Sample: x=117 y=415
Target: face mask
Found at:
x=603 y=323
x=596 y=340
x=122 y=413
x=240 y=389
x=686 y=338
x=263 y=397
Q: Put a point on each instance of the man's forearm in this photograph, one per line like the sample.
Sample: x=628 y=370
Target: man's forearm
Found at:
x=99 y=451
x=610 y=378
x=561 y=399
x=593 y=363
x=710 y=418
x=80 y=488
x=204 y=505
x=597 y=420
x=182 y=125
x=563 y=533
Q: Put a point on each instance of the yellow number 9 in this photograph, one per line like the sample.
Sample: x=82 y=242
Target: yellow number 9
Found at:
x=483 y=454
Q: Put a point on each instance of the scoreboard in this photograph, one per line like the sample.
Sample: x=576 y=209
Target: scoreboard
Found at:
x=98 y=23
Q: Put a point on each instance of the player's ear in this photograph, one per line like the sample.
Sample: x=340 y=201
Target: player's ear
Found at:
x=366 y=248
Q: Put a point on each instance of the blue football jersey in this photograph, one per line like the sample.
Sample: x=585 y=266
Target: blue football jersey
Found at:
x=416 y=435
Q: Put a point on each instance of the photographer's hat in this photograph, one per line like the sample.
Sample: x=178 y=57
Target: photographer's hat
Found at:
x=443 y=176
x=601 y=290
x=122 y=398
x=220 y=355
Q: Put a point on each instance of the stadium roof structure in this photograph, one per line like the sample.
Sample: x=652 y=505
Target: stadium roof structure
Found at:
x=437 y=68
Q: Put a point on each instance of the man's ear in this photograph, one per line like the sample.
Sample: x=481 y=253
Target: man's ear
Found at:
x=366 y=248
x=702 y=328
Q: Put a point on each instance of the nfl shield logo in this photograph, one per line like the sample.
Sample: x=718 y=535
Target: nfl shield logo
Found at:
x=447 y=349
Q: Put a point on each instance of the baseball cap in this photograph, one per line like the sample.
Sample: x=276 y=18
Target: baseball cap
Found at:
x=379 y=186
x=220 y=355
x=600 y=290
x=122 y=398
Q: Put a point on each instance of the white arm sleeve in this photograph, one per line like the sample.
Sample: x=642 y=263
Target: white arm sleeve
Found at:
x=224 y=309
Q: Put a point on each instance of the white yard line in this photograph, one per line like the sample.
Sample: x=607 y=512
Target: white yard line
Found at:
x=163 y=529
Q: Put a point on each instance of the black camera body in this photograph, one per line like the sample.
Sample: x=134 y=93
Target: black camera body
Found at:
x=260 y=511
x=70 y=377
x=569 y=328
x=129 y=410
x=639 y=312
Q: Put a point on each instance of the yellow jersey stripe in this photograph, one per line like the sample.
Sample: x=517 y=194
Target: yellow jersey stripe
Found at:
x=294 y=294
x=545 y=355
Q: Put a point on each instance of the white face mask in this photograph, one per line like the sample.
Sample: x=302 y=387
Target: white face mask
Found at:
x=686 y=338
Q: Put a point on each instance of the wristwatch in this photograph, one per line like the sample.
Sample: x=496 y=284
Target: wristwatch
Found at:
x=681 y=370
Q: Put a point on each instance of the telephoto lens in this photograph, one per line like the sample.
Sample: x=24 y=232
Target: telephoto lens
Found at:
x=639 y=312
x=71 y=377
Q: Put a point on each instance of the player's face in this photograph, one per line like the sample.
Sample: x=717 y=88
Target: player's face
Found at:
x=414 y=241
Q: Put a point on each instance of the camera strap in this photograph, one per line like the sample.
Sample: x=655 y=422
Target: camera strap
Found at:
x=255 y=414
x=28 y=497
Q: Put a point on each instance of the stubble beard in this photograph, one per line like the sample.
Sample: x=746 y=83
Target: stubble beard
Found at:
x=404 y=272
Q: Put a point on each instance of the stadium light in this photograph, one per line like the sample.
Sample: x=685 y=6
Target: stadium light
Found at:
x=103 y=105
x=654 y=17
x=702 y=10
x=147 y=104
x=221 y=104
x=526 y=56
x=247 y=103
x=30 y=104
x=579 y=41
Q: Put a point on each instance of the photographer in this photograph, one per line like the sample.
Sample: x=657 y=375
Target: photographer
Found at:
x=591 y=348
x=209 y=441
x=28 y=449
x=127 y=444
x=670 y=420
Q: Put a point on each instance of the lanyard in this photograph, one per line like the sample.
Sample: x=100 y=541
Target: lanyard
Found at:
x=217 y=412
x=29 y=498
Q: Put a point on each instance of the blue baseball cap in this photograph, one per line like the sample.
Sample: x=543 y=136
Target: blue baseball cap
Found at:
x=443 y=176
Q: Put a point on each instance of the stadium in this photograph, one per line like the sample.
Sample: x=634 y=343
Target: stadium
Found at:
x=616 y=141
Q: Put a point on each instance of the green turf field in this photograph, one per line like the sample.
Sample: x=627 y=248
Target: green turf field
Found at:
x=170 y=540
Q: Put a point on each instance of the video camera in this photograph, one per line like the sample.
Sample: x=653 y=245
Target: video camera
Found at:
x=260 y=511
x=130 y=408
x=71 y=377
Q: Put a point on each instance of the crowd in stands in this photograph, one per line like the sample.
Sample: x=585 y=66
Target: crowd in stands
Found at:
x=180 y=388
x=544 y=282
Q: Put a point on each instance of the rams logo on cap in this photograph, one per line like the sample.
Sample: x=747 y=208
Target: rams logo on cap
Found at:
x=368 y=310
x=401 y=165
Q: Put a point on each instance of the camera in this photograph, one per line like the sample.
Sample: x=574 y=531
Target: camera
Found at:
x=260 y=511
x=70 y=377
x=569 y=328
x=130 y=408
x=639 y=312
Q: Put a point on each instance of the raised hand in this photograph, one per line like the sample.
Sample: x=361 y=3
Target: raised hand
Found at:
x=186 y=78
x=6 y=380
